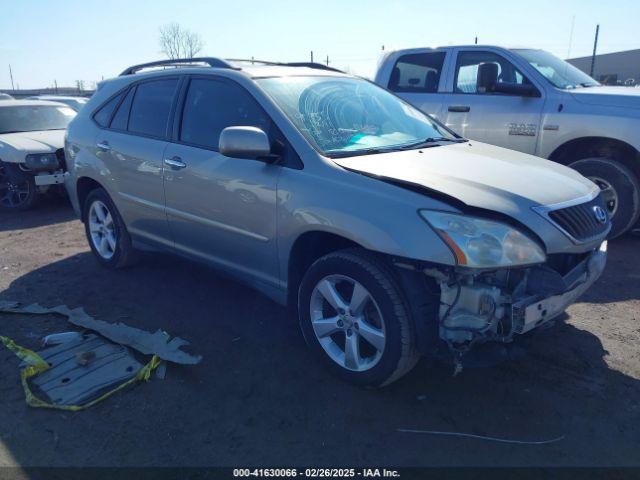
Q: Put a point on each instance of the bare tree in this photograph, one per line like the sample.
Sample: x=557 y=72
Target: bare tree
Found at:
x=178 y=42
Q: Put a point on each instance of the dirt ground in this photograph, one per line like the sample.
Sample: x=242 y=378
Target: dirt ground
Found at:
x=258 y=398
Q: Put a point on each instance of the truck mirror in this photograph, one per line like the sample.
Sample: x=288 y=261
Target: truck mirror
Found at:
x=487 y=77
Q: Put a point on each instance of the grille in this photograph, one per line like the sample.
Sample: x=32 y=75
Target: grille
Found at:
x=580 y=221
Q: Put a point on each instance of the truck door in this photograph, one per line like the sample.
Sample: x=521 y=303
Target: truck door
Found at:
x=416 y=78
x=476 y=111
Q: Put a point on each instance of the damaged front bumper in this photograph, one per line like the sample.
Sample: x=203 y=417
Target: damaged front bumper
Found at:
x=44 y=179
x=530 y=313
x=497 y=305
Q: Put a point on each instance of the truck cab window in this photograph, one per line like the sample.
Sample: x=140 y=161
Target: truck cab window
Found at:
x=467 y=67
x=417 y=73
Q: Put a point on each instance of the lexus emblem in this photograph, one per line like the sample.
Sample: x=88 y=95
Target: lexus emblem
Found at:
x=600 y=214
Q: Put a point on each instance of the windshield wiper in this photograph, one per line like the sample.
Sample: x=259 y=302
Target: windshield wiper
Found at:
x=431 y=142
x=353 y=153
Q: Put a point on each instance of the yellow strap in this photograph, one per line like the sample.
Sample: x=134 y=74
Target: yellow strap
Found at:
x=37 y=365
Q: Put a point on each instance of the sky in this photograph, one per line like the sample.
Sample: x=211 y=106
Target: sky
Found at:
x=69 y=40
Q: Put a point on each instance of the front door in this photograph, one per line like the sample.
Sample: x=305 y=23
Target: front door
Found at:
x=221 y=209
x=509 y=121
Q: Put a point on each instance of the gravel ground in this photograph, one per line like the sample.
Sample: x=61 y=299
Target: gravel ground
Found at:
x=258 y=398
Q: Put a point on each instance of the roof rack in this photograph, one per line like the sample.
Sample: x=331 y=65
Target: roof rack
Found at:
x=251 y=60
x=177 y=62
x=317 y=66
x=219 y=63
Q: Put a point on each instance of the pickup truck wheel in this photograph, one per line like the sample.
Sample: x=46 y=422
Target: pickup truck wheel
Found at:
x=354 y=317
x=18 y=191
x=106 y=232
x=620 y=190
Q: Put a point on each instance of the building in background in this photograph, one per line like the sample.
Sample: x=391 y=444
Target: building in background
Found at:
x=618 y=68
x=64 y=91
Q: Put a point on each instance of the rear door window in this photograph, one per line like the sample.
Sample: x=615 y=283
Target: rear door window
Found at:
x=151 y=107
x=417 y=73
x=213 y=105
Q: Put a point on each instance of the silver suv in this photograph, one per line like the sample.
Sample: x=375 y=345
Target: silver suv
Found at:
x=388 y=234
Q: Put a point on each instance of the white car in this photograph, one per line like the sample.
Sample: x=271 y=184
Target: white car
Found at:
x=531 y=101
x=31 y=150
x=74 y=102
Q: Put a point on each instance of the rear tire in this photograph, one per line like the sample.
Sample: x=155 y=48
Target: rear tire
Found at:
x=375 y=323
x=106 y=233
x=620 y=188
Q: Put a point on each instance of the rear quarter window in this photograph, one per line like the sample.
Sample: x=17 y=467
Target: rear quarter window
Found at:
x=104 y=113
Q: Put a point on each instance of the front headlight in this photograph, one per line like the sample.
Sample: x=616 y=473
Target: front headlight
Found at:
x=481 y=243
x=42 y=161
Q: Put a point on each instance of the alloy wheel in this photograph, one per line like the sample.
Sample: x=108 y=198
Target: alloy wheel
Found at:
x=347 y=322
x=102 y=229
x=13 y=194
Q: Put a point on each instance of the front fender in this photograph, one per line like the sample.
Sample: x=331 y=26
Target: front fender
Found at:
x=576 y=122
x=375 y=215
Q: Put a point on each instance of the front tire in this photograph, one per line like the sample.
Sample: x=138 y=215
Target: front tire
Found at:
x=355 y=319
x=620 y=189
x=18 y=190
x=106 y=232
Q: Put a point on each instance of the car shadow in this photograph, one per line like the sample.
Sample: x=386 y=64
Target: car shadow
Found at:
x=50 y=209
x=259 y=398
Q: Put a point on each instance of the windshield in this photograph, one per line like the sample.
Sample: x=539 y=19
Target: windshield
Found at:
x=560 y=73
x=350 y=116
x=26 y=118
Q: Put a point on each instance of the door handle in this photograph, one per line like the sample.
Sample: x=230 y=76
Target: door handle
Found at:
x=175 y=163
x=459 y=108
x=103 y=145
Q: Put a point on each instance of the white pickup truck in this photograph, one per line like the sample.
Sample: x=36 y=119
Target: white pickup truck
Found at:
x=534 y=102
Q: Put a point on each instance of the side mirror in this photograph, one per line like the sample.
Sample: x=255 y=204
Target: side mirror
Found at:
x=520 y=89
x=487 y=77
x=244 y=142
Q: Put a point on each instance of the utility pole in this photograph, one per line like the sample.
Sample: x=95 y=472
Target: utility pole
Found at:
x=327 y=60
x=311 y=56
x=573 y=24
x=11 y=75
x=593 y=57
x=55 y=82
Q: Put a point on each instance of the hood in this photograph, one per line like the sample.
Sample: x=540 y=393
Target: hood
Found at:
x=624 y=97
x=32 y=142
x=479 y=175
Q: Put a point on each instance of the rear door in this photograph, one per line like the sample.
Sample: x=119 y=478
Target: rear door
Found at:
x=221 y=209
x=417 y=78
x=134 y=144
x=510 y=121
